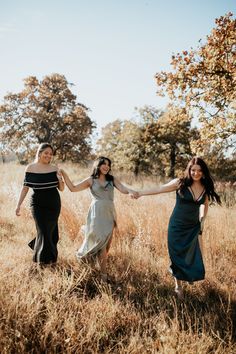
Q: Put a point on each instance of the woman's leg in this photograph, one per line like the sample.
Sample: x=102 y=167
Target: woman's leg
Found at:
x=109 y=243
x=103 y=259
x=103 y=264
x=178 y=288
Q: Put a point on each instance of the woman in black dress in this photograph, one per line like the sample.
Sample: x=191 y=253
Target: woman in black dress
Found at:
x=44 y=179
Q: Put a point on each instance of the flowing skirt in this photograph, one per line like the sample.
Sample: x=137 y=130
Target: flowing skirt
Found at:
x=184 y=251
x=101 y=220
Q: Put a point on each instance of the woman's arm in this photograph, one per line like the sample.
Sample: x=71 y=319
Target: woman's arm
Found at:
x=123 y=189
x=61 y=185
x=22 y=196
x=204 y=208
x=203 y=213
x=86 y=183
x=165 y=188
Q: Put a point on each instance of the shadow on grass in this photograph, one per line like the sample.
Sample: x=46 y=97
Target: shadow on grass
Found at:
x=205 y=307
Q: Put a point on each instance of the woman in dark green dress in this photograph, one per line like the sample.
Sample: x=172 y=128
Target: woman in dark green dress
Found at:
x=193 y=193
x=44 y=179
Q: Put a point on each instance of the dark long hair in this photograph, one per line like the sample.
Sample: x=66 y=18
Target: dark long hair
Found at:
x=206 y=180
x=96 y=168
x=41 y=148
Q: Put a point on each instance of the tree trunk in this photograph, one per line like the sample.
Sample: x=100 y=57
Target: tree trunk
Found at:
x=136 y=169
x=3 y=157
x=172 y=161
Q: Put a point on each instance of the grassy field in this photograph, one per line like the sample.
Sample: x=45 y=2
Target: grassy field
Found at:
x=68 y=309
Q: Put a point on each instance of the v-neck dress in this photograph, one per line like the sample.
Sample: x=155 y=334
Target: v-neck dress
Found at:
x=45 y=207
x=183 y=231
x=101 y=219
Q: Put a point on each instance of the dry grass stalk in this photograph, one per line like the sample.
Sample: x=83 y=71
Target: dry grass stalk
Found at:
x=68 y=309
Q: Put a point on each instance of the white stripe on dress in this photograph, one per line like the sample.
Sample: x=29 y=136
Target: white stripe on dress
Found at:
x=41 y=183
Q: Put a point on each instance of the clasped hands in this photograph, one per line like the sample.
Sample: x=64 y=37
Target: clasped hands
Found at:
x=60 y=175
x=135 y=195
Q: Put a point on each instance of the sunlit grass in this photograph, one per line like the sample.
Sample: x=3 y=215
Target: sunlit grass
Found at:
x=68 y=309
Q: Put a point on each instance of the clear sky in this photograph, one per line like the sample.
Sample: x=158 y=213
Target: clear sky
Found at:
x=109 y=49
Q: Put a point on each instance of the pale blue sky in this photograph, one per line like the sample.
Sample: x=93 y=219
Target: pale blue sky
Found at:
x=109 y=49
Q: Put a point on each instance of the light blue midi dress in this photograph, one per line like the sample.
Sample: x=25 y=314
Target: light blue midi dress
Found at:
x=101 y=219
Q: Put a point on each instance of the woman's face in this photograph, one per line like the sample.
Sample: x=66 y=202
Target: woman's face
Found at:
x=104 y=168
x=196 y=172
x=46 y=155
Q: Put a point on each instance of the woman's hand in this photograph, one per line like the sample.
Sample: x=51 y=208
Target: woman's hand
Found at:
x=17 y=211
x=134 y=195
x=61 y=186
x=62 y=172
x=59 y=175
x=202 y=220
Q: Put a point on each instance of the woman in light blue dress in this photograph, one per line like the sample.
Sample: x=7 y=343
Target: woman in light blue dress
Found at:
x=186 y=221
x=101 y=218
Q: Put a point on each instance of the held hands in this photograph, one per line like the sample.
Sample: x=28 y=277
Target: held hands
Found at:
x=60 y=175
x=135 y=195
x=61 y=181
x=61 y=171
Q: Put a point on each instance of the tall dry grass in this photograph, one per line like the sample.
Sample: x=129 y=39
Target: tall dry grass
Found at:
x=68 y=309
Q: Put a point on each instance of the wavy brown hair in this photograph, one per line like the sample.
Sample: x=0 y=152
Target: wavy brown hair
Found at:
x=206 y=180
x=96 y=168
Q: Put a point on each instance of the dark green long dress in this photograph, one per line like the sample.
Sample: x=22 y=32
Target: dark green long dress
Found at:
x=183 y=231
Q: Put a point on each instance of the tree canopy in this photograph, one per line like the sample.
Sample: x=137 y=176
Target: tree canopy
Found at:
x=159 y=143
x=168 y=138
x=46 y=111
x=122 y=142
x=204 y=81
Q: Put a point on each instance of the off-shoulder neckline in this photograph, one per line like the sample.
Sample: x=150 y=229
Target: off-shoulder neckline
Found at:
x=41 y=173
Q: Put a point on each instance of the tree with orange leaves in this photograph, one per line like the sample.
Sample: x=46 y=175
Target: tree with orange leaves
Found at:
x=204 y=81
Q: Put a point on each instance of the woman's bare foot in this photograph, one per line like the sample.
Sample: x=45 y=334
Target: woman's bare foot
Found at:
x=179 y=292
x=179 y=289
x=104 y=277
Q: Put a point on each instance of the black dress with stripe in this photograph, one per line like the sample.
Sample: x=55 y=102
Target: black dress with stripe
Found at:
x=45 y=207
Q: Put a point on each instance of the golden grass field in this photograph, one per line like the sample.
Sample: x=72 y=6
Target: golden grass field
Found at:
x=68 y=309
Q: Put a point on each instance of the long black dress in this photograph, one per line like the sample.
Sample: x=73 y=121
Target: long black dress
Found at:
x=45 y=207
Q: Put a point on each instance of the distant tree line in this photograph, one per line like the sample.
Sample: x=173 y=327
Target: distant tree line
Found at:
x=160 y=143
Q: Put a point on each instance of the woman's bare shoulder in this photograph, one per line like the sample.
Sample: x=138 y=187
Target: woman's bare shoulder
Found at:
x=36 y=168
x=54 y=168
x=31 y=167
